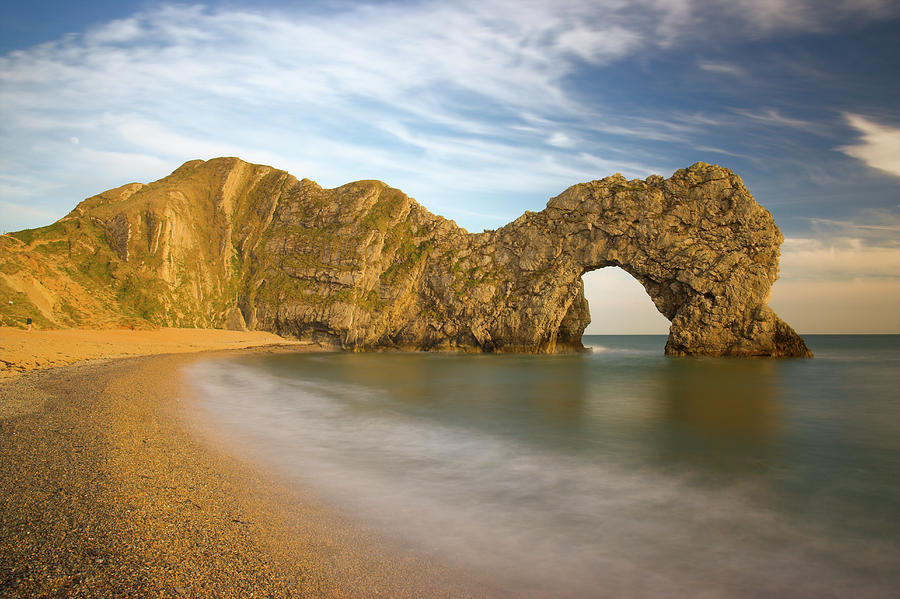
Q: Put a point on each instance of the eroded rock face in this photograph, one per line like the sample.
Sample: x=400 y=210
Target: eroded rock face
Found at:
x=363 y=266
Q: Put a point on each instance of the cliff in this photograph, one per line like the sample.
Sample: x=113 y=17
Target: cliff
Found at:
x=224 y=243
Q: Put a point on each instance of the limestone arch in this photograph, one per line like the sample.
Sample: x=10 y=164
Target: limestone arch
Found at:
x=699 y=244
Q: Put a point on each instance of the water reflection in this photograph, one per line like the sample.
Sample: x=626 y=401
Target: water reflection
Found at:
x=726 y=399
x=720 y=477
x=679 y=409
x=720 y=419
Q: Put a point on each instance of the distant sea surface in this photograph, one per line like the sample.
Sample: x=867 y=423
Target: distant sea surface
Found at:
x=614 y=473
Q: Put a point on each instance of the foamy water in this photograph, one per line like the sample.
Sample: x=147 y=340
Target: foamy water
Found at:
x=610 y=474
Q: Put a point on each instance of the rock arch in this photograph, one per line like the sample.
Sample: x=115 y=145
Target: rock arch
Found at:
x=703 y=249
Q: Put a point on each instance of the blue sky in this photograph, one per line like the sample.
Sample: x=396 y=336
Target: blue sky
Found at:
x=481 y=110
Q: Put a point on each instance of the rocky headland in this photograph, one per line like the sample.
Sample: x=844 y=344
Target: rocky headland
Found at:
x=227 y=244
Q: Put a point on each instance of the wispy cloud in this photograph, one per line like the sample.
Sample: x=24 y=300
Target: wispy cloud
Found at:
x=773 y=118
x=115 y=32
x=380 y=91
x=429 y=96
x=722 y=68
x=561 y=140
x=878 y=147
x=876 y=228
x=715 y=19
x=599 y=46
x=766 y=16
x=840 y=259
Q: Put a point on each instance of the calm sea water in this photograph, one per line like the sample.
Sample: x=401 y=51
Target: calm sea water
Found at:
x=615 y=473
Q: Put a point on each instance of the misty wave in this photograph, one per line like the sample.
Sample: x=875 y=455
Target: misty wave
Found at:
x=544 y=522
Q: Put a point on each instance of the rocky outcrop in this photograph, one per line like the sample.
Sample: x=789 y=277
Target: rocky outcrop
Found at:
x=363 y=266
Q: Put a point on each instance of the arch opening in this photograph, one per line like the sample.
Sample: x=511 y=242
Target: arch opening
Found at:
x=619 y=305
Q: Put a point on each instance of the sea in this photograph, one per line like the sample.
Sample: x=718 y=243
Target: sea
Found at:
x=618 y=472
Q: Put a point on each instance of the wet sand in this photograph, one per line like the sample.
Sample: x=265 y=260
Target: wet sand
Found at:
x=108 y=489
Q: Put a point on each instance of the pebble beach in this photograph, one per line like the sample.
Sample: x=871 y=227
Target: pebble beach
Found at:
x=108 y=488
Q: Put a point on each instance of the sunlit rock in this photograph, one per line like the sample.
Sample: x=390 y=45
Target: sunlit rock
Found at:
x=363 y=266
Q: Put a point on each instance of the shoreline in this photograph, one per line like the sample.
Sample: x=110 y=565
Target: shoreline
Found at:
x=24 y=351
x=108 y=488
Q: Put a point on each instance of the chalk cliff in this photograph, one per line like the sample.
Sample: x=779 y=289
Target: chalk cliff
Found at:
x=227 y=243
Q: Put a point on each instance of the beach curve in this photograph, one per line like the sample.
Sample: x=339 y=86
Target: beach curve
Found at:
x=108 y=489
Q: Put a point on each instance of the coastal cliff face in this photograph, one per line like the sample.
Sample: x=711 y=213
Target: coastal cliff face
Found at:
x=224 y=243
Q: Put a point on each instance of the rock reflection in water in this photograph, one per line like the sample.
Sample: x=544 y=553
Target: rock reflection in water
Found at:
x=723 y=416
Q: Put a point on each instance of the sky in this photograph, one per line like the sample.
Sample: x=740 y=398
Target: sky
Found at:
x=484 y=109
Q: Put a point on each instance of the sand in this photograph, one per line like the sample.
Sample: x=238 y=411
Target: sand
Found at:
x=21 y=350
x=108 y=488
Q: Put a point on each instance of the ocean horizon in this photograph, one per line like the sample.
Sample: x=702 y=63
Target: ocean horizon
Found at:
x=614 y=472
